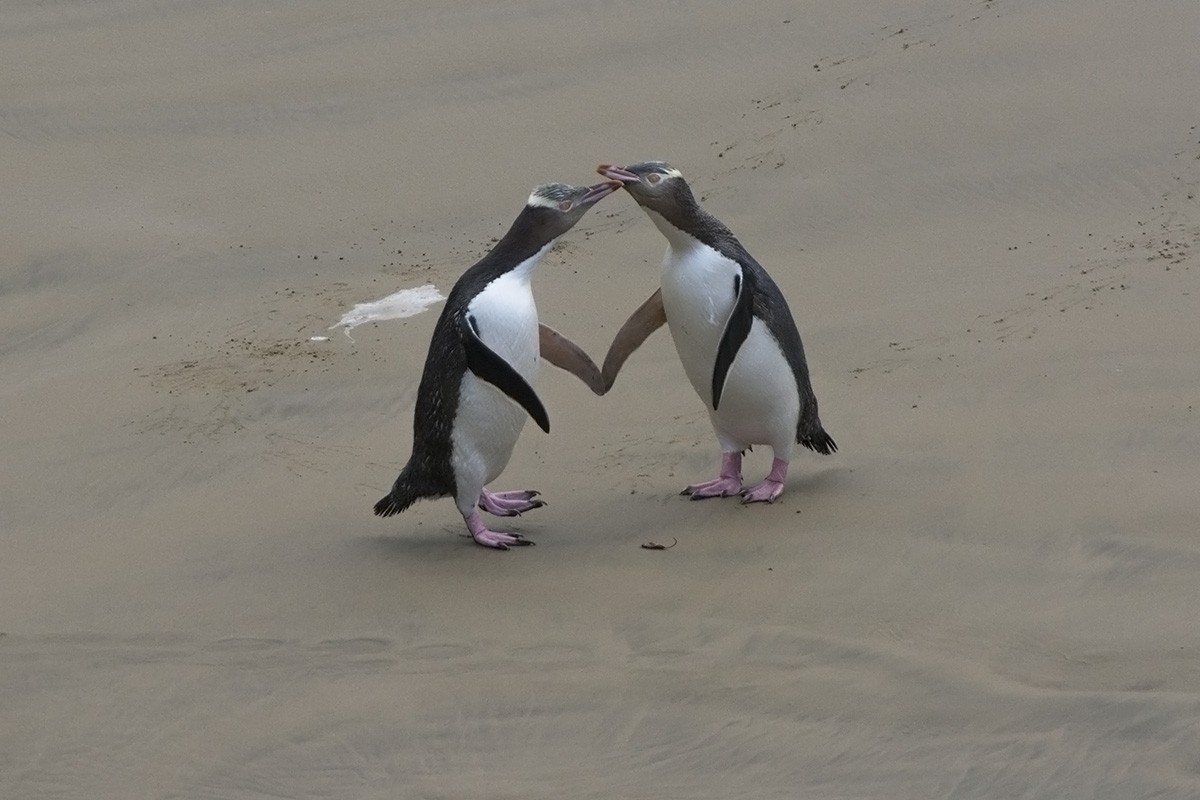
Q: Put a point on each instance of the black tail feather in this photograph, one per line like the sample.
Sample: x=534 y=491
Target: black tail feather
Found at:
x=407 y=490
x=820 y=442
x=394 y=503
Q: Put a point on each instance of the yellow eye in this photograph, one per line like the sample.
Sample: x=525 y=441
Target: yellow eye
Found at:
x=566 y=205
x=653 y=178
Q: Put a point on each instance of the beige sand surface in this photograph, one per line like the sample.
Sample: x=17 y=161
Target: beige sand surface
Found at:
x=982 y=213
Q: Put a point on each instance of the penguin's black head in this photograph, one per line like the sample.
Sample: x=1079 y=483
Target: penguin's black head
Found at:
x=555 y=207
x=658 y=187
x=646 y=178
x=550 y=211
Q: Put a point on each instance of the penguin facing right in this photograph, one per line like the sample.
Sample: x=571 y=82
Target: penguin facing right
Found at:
x=477 y=384
x=733 y=330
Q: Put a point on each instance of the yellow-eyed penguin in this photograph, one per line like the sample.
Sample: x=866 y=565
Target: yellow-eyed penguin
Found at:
x=732 y=329
x=477 y=386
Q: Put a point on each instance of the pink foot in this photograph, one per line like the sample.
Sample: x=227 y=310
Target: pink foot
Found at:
x=727 y=485
x=488 y=538
x=509 y=504
x=771 y=487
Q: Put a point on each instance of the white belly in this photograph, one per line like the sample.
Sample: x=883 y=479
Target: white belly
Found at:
x=759 y=403
x=489 y=422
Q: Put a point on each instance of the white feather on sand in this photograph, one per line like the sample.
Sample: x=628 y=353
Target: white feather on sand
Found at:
x=401 y=304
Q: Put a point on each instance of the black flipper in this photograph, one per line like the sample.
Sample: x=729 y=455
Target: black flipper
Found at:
x=488 y=366
x=737 y=328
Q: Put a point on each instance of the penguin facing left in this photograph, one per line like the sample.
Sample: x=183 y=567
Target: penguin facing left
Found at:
x=733 y=331
x=477 y=385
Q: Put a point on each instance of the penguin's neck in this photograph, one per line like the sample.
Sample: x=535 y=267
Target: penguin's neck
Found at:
x=516 y=254
x=678 y=239
x=519 y=274
x=523 y=271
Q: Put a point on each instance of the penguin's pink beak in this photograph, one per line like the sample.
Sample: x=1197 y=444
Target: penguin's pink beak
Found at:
x=616 y=173
x=599 y=191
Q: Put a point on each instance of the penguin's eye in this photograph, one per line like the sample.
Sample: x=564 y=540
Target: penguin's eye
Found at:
x=653 y=178
x=566 y=205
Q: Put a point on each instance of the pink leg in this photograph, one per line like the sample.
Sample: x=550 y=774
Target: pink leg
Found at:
x=771 y=488
x=487 y=538
x=509 y=504
x=728 y=484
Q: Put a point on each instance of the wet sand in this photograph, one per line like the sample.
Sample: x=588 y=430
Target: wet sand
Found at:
x=983 y=215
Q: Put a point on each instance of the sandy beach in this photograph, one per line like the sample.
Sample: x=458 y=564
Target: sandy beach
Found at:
x=984 y=216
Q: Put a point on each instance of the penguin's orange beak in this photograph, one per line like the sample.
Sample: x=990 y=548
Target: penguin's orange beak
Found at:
x=616 y=173
x=599 y=191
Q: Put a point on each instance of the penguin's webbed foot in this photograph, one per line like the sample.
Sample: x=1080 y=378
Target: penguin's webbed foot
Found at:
x=728 y=484
x=499 y=541
x=717 y=487
x=766 y=492
x=494 y=539
x=771 y=487
x=509 y=504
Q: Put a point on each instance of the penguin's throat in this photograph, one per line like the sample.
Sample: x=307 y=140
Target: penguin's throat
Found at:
x=524 y=271
x=678 y=239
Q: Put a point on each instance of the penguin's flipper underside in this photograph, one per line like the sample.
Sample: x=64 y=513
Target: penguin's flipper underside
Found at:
x=487 y=365
x=565 y=354
x=737 y=328
x=649 y=317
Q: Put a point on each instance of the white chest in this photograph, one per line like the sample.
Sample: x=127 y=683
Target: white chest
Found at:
x=698 y=295
x=506 y=317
